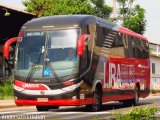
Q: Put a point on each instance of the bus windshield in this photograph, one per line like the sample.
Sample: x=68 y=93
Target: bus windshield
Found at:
x=58 y=48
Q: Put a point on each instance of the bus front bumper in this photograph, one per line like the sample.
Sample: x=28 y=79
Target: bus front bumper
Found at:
x=59 y=102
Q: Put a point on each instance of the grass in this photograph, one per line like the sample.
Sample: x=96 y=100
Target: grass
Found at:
x=6 y=90
x=140 y=113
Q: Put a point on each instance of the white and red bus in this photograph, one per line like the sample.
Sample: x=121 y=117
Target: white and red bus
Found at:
x=111 y=63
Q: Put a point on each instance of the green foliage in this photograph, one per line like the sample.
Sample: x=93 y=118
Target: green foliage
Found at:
x=137 y=21
x=64 y=7
x=100 y=9
x=6 y=90
x=141 y=113
x=132 y=17
x=39 y=7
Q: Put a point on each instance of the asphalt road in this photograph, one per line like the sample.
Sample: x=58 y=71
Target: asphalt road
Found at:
x=75 y=113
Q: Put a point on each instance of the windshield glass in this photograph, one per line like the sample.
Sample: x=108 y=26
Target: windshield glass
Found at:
x=58 y=48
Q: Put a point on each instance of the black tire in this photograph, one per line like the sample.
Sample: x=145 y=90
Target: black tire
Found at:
x=97 y=104
x=42 y=108
x=133 y=101
x=53 y=107
x=46 y=108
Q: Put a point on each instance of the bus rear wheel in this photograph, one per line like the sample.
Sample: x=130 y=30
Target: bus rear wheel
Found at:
x=135 y=100
x=46 y=108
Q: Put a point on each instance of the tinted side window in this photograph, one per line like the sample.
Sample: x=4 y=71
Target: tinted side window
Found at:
x=138 y=48
x=141 y=49
x=100 y=35
x=145 y=53
x=131 y=47
x=117 y=47
x=125 y=43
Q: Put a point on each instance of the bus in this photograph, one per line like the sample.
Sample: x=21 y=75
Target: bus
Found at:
x=112 y=63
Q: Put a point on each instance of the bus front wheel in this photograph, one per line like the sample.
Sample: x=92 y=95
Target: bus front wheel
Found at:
x=97 y=103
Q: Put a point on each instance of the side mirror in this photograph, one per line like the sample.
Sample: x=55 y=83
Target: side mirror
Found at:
x=80 y=46
x=7 y=46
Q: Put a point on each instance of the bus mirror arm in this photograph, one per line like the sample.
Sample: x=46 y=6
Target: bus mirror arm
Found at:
x=7 y=46
x=81 y=41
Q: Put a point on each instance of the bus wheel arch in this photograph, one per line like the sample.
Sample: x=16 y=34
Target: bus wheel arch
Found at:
x=97 y=98
x=135 y=100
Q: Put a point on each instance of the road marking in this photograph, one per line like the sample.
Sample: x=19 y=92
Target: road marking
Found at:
x=100 y=113
x=68 y=113
x=84 y=114
x=35 y=113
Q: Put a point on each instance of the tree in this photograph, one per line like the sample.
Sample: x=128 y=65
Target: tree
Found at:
x=125 y=8
x=137 y=22
x=100 y=9
x=132 y=17
x=39 y=7
x=61 y=7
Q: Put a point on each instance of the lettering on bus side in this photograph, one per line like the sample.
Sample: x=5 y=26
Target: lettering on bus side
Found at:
x=27 y=85
x=118 y=74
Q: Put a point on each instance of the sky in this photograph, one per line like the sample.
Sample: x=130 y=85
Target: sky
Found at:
x=152 y=15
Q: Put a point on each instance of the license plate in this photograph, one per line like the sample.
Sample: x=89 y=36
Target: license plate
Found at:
x=42 y=99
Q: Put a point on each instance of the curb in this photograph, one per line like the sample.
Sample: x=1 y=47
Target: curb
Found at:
x=7 y=103
x=7 y=106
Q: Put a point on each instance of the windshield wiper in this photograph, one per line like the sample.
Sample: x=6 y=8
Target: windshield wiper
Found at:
x=48 y=65
x=45 y=65
x=33 y=66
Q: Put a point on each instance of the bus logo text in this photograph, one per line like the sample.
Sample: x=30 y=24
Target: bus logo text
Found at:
x=30 y=85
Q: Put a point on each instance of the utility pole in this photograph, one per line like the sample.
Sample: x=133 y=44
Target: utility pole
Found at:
x=114 y=9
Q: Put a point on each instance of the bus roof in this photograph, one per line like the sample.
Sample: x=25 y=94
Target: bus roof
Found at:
x=69 y=21
x=131 y=33
x=60 y=21
x=63 y=21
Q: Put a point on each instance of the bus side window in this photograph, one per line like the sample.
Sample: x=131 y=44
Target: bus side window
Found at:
x=125 y=43
x=117 y=47
x=100 y=35
x=145 y=49
x=131 y=47
x=99 y=40
x=138 y=49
